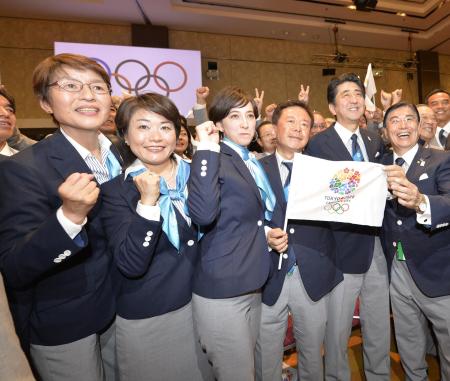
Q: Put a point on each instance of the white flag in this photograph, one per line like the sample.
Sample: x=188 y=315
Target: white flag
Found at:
x=371 y=89
x=340 y=191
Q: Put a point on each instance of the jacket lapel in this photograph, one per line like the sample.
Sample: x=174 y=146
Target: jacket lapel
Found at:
x=336 y=146
x=241 y=168
x=270 y=165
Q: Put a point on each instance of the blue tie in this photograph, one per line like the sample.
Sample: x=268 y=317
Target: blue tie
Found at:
x=442 y=138
x=400 y=161
x=170 y=223
x=291 y=256
x=287 y=182
x=113 y=165
x=356 y=149
x=261 y=180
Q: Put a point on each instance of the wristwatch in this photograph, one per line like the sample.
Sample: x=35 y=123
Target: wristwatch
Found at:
x=422 y=207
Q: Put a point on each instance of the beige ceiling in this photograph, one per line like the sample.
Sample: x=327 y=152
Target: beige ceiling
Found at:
x=428 y=21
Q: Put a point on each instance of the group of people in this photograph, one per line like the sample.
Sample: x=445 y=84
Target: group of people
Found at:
x=135 y=260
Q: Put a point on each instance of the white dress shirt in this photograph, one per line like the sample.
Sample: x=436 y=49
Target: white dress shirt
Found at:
x=346 y=137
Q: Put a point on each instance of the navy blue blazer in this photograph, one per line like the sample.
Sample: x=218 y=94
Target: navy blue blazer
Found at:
x=355 y=243
x=427 y=249
x=313 y=244
x=225 y=201
x=55 y=301
x=152 y=279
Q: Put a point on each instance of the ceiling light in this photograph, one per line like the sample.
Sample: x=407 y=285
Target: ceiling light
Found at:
x=352 y=7
x=401 y=14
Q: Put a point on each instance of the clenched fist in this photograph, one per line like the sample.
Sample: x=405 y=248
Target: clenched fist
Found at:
x=79 y=194
x=208 y=132
x=147 y=184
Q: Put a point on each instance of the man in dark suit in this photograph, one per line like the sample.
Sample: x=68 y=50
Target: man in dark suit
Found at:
x=416 y=240
x=307 y=275
x=359 y=253
x=53 y=255
x=439 y=102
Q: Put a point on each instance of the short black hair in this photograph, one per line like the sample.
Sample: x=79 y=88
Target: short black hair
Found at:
x=291 y=103
x=436 y=91
x=335 y=82
x=398 y=105
x=226 y=99
x=157 y=103
x=4 y=93
x=262 y=124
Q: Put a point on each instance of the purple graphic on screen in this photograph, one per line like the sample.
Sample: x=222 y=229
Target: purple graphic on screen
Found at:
x=136 y=70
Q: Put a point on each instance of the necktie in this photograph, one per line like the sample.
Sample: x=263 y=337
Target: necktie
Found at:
x=399 y=254
x=356 y=149
x=442 y=138
x=167 y=199
x=287 y=182
x=114 y=167
x=261 y=180
x=400 y=161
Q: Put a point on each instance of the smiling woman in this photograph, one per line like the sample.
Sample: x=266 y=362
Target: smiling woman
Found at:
x=154 y=245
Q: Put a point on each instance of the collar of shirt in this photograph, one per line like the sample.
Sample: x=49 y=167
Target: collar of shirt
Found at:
x=103 y=141
x=138 y=165
x=282 y=168
x=236 y=149
x=408 y=156
x=7 y=150
x=346 y=137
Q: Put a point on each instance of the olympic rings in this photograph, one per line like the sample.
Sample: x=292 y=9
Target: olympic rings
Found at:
x=336 y=207
x=167 y=89
x=143 y=81
x=183 y=83
x=136 y=88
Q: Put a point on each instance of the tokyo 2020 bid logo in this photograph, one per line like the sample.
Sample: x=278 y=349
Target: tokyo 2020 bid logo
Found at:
x=343 y=185
x=145 y=77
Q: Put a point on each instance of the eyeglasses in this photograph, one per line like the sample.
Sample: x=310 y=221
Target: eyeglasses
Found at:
x=408 y=120
x=74 y=86
x=319 y=126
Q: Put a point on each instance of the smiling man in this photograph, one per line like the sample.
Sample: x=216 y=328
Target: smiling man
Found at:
x=416 y=241
x=302 y=284
x=359 y=254
x=439 y=101
x=427 y=127
x=7 y=121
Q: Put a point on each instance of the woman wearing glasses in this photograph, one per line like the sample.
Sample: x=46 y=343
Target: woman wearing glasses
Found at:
x=154 y=244
x=230 y=196
x=52 y=254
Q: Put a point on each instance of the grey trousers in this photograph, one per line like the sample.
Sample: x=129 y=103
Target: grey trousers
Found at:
x=372 y=288
x=160 y=348
x=228 y=329
x=309 y=320
x=411 y=309
x=79 y=360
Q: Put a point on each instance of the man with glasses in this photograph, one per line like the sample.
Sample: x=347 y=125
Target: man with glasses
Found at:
x=319 y=124
x=267 y=139
x=416 y=241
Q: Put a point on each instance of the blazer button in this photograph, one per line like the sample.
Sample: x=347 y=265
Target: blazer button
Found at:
x=292 y=230
x=399 y=222
x=57 y=260
x=67 y=253
x=147 y=238
x=145 y=244
x=149 y=233
x=190 y=242
x=204 y=162
x=259 y=223
x=61 y=256
x=204 y=168
x=203 y=174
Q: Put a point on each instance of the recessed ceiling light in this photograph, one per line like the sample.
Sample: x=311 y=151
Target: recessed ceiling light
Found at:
x=286 y=32
x=401 y=14
x=303 y=34
x=352 y=7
